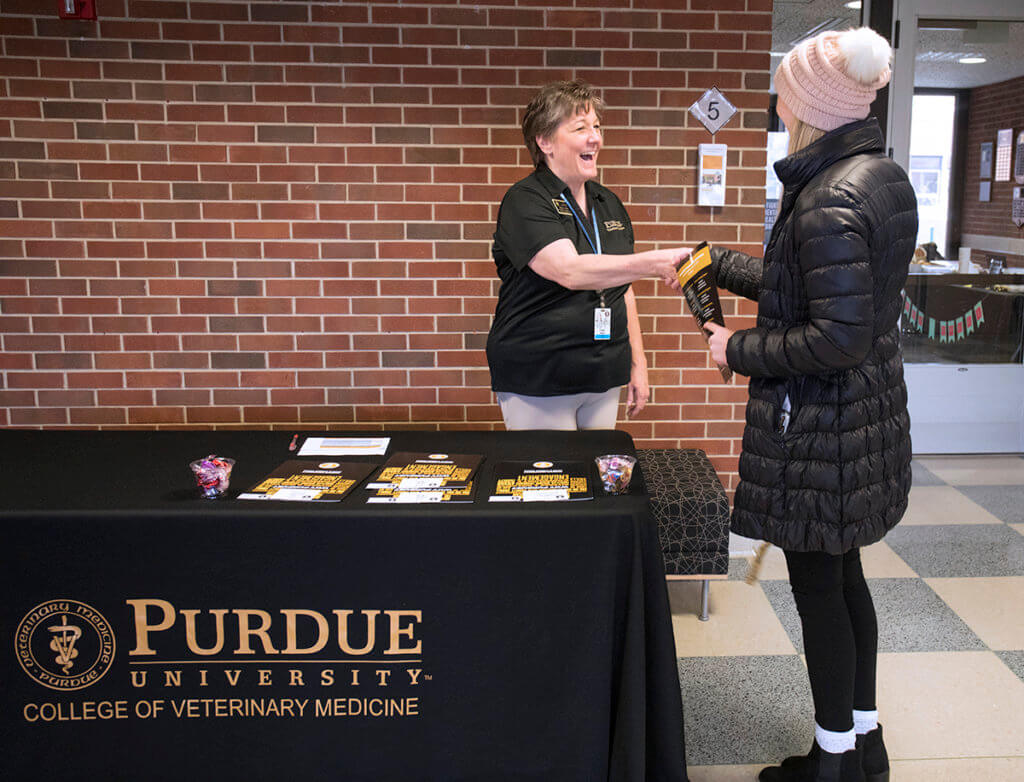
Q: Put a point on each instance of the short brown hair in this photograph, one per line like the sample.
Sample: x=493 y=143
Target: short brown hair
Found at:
x=554 y=104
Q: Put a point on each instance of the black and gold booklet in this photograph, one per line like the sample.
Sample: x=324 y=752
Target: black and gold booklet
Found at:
x=542 y=481
x=701 y=293
x=298 y=480
x=425 y=477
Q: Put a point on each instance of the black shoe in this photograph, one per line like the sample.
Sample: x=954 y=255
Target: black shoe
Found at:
x=817 y=766
x=876 y=759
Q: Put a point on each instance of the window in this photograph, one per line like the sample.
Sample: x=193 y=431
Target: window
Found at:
x=931 y=154
x=925 y=175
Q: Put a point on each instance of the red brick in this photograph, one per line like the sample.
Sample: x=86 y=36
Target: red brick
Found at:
x=267 y=306
x=238 y=396
x=258 y=154
x=270 y=414
x=168 y=132
x=190 y=31
x=293 y=360
x=219 y=11
x=156 y=415
x=258 y=192
x=37 y=416
x=329 y=115
x=292 y=287
x=124 y=397
x=266 y=379
x=300 y=396
x=99 y=416
x=37 y=47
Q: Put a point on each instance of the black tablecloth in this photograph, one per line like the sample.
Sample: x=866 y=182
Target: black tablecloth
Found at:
x=511 y=642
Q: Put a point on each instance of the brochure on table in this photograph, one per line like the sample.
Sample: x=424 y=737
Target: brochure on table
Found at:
x=425 y=477
x=309 y=481
x=541 y=481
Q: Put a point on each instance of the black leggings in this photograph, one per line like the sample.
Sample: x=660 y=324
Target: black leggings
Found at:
x=840 y=633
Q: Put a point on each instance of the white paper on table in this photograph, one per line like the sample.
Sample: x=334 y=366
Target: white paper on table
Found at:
x=287 y=494
x=533 y=495
x=545 y=495
x=410 y=497
x=408 y=484
x=344 y=446
x=420 y=483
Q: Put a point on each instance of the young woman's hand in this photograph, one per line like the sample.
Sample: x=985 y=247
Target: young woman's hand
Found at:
x=718 y=339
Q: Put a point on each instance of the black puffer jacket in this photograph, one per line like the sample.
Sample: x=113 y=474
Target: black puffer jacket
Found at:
x=827 y=335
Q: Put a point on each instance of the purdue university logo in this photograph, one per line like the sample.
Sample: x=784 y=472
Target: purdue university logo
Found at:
x=64 y=644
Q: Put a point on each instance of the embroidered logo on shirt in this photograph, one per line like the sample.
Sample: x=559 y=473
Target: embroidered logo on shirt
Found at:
x=614 y=225
x=561 y=207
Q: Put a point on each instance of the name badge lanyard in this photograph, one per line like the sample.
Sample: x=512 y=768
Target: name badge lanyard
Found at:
x=602 y=314
x=595 y=243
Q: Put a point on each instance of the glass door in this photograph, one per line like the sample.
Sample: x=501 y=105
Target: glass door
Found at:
x=963 y=315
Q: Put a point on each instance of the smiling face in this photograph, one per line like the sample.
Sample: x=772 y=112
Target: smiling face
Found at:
x=571 y=151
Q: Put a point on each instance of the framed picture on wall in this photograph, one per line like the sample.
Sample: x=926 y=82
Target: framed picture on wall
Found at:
x=1004 y=143
x=1018 y=163
x=985 y=170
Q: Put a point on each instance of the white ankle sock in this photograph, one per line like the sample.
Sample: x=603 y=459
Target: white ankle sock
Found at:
x=833 y=741
x=865 y=721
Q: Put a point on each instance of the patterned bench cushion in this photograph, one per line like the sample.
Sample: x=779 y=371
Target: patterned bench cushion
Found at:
x=691 y=508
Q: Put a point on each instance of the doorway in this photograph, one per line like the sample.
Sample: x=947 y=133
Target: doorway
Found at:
x=963 y=321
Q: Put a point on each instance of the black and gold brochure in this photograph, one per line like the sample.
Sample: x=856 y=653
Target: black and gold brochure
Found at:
x=541 y=481
x=701 y=293
x=309 y=481
x=426 y=477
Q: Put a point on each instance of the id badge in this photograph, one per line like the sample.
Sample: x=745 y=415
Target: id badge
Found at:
x=602 y=323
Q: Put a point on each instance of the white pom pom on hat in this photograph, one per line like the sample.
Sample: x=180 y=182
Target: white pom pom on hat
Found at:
x=832 y=79
x=867 y=54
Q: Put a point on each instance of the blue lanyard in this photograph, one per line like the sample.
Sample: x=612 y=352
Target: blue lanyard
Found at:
x=593 y=213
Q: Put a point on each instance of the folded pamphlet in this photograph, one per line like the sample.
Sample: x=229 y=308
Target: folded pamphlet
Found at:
x=701 y=293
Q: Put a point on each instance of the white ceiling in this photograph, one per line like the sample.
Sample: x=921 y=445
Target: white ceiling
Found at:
x=792 y=19
x=1001 y=43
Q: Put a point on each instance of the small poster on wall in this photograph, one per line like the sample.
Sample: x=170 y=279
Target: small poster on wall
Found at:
x=1004 y=144
x=711 y=182
x=985 y=191
x=1018 y=206
x=985 y=170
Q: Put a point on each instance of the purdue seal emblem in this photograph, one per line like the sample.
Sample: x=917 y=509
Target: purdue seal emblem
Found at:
x=64 y=645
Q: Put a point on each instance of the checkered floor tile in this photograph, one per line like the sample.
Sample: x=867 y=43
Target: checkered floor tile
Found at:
x=947 y=583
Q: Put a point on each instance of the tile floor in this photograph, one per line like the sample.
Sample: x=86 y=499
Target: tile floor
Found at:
x=948 y=585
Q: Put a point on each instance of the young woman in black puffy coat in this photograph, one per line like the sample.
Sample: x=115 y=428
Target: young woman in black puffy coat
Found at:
x=825 y=465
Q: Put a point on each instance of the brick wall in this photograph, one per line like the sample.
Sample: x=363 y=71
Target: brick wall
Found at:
x=993 y=107
x=234 y=213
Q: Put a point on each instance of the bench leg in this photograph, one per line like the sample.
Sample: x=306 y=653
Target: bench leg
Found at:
x=705 y=591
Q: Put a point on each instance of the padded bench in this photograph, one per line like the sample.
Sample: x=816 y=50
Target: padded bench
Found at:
x=692 y=511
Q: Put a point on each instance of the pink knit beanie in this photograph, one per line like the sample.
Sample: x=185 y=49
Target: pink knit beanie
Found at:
x=831 y=79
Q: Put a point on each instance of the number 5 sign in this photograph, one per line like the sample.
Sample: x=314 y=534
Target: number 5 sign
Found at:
x=713 y=110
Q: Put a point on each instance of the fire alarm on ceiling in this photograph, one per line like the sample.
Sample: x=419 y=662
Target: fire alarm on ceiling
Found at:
x=77 y=9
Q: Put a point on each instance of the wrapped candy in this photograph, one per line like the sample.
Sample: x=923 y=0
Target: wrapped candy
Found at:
x=212 y=475
x=616 y=471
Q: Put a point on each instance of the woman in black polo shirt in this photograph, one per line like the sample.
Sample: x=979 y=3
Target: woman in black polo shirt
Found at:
x=566 y=334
